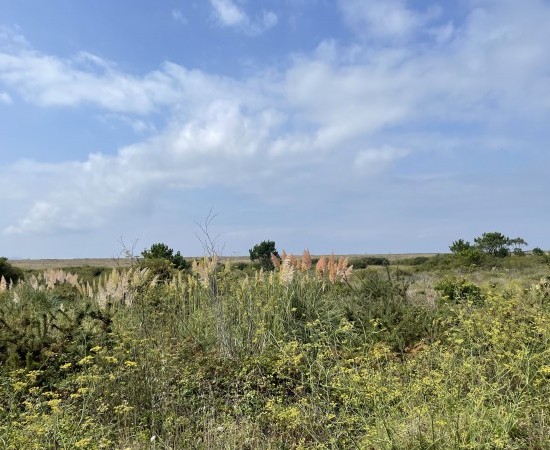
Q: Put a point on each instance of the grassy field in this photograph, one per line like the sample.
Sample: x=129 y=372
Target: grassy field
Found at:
x=423 y=353
x=44 y=264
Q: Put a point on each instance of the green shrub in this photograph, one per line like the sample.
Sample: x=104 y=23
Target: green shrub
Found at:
x=9 y=272
x=460 y=246
x=262 y=253
x=380 y=306
x=366 y=261
x=160 y=268
x=458 y=291
x=162 y=251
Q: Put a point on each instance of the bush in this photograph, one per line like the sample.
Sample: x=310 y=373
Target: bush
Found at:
x=460 y=246
x=262 y=253
x=366 y=261
x=163 y=252
x=538 y=252
x=9 y=272
x=470 y=256
x=458 y=291
x=380 y=307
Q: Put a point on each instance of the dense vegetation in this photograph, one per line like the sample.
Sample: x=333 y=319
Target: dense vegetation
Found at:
x=305 y=356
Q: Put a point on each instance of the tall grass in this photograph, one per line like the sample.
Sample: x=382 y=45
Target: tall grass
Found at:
x=303 y=357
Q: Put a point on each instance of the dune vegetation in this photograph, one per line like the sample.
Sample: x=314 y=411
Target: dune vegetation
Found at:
x=428 y=354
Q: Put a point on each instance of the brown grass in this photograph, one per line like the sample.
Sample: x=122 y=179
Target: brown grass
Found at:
x=44 y=264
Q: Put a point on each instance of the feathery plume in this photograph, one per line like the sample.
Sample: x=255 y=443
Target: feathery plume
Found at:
x=321 y=267
x=275 y=261
x=306 y=261
x=332 y=269
x=287 y=271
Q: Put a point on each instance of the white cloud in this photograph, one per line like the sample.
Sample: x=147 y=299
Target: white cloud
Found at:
x=219 y=147
x=386 y=19
x=89 y=79
x=228 y=14
x=375 y=159
x=5 y=98
x=339 y=112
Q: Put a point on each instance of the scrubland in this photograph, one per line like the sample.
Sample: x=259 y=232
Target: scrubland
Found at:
x=418 y=354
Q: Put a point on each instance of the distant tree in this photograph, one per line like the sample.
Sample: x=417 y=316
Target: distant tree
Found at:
x=9 y=272
x=517 y=243
x=161 y=251
x=262 y=253
x=538 y=251
x=494 y=243
x=460 y=246
x=518 y=252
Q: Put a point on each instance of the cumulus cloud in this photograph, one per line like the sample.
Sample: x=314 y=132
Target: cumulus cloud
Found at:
x=228 y=14
x=339 y=112
x=219 y=147
x=89 y=79
x=384 y=19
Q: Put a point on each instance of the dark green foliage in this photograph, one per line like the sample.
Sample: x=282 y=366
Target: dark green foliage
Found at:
x=460 y=246
x=46 y=328
x=161 y=251
x=538 y=251
x=517 y=243
x=160 y=268
x=9 y=272
x=458 y=291
x=262 y=253
x=380 y=307
x=494 y=243
x=87 y=274
x=470 y=256
x=366 y=261
x=487 y=246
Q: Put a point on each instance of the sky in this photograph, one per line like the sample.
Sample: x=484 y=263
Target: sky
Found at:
x=345 y=126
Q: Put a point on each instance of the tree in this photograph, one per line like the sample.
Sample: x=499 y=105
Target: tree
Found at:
x=262 y=253
x=161 y=251
x=517 y=243
x=497 y=244
x=9 y=272
x=460 y=246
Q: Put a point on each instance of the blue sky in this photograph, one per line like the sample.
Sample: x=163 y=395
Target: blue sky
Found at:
x=353 y=126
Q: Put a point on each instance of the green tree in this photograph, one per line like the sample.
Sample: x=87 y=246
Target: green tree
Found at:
x=460 y=246
x=161 y=251
x=494 y=243
x=262 y=253
x=9 y=272
x=517 y=243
